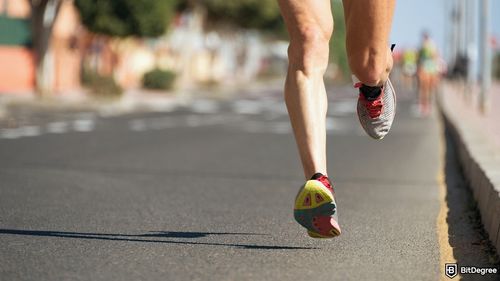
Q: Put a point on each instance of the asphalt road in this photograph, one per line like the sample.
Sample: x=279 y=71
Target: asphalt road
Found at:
x=205 y=192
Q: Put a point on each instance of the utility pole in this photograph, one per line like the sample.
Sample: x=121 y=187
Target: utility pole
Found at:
x=454 y=33
x=471 y=42
x=485 y=54
x=462 y=18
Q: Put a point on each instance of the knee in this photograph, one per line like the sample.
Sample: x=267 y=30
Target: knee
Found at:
x=371 y=68
x=309 y=47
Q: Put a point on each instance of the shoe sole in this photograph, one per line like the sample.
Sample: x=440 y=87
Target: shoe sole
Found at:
x=389 y=83
x=319 y=236
x=314 y=207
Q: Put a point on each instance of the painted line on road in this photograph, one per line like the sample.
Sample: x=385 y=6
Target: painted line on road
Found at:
x=83 y=125
x=57 y=127
x=24 y=131
x=189 y=121
x=445 y=248
x=10 y=133
x=30 y=131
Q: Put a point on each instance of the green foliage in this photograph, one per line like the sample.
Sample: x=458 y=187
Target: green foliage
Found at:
x=338 y=54
x=102 y=86
x=257 y=14
x=158 y=79
x=144 y=18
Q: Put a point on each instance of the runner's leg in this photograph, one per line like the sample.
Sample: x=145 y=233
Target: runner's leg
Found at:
x=421 y=91
x=310 y=25
x=368 y=25
x=424 y=88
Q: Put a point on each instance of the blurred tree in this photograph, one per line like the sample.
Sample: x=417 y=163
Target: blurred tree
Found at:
x=143 y=18
x=44 y=14
x=263 y=15
x=496 y=63
x=338 y=54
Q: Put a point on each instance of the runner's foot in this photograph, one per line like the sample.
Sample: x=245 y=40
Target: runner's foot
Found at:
x=376 y=110
x=315 y=208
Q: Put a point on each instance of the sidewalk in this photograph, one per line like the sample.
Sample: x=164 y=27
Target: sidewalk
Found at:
x=478 y=142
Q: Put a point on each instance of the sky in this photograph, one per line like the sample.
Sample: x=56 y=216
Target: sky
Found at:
x=413 y=16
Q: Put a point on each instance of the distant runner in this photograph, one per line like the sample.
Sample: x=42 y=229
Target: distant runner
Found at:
x=409 y=66
x=428 y=71
x=310 y=26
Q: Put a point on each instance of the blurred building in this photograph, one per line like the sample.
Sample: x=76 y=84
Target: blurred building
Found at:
x=66 y=49
x=197 y=56
x=17 y=57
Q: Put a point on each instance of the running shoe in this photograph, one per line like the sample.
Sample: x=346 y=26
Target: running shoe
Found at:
x=315 y=208
x=377 y=114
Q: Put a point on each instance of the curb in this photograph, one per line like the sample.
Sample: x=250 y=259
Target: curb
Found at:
x=480 y=162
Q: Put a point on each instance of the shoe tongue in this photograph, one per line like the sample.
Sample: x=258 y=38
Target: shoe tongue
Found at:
x=371 y=93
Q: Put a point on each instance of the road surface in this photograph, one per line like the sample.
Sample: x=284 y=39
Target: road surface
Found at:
x=205 y=192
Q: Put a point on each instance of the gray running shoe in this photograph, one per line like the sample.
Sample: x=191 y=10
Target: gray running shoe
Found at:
x=376 y=115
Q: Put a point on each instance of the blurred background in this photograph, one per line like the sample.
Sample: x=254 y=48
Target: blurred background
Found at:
x=87 y=47
x=107 y=47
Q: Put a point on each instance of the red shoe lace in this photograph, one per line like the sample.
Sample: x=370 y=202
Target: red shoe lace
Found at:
x=326 y=182
x=374 y=107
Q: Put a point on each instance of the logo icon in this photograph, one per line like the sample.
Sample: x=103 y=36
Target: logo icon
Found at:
x=450 y=270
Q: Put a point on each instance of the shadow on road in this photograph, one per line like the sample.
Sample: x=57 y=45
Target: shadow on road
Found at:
x=142 y=238
x=467 y=237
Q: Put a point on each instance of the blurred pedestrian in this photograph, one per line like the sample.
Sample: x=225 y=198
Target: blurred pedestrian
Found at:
x=409 y=66
x=428 y=72
x=310 y=26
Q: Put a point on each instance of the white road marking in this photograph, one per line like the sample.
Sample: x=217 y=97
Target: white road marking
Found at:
x=57 y=127
x=83 y=125
x=10 y=133
x=271 y=119
x=168 y=122
x=29 y=131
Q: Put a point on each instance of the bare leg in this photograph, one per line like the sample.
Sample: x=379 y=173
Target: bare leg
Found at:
x=368 y=25
x=424 y=91
x=310 y=25
x=423 y=94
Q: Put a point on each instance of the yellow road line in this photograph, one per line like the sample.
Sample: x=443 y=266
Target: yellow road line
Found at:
x=445 y=249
